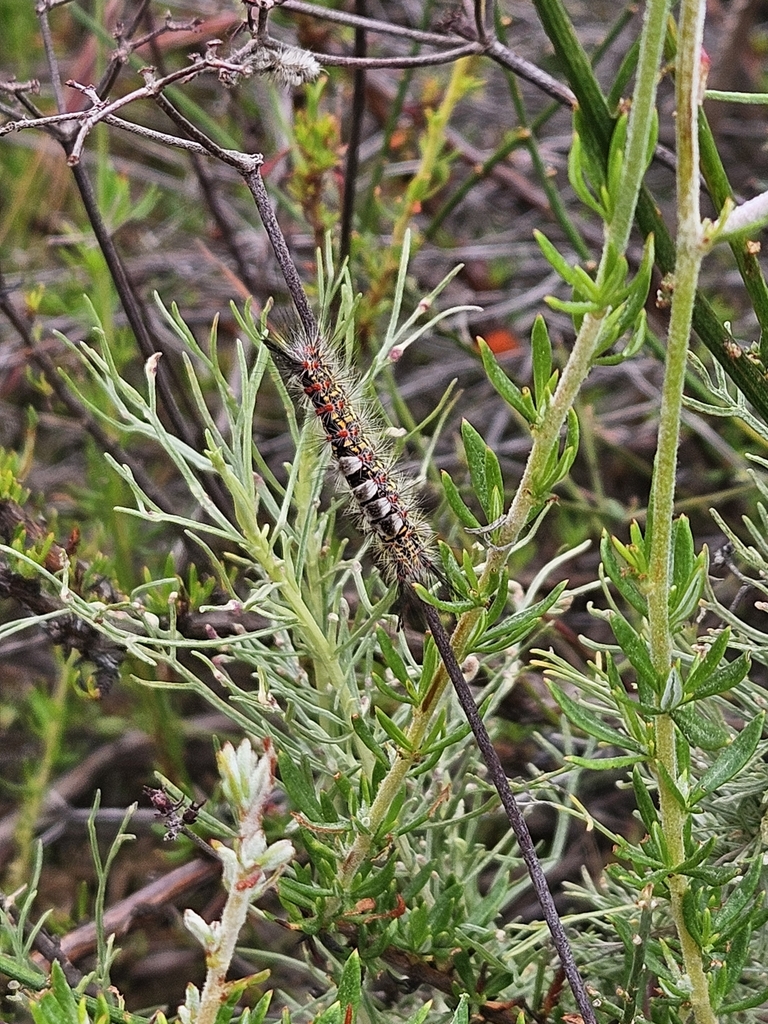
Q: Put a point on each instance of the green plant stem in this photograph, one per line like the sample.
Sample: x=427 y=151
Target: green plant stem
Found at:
x=546 y=434
x=37 y=786
x=215 y=989
x=690 y=252
x=547 y=431
x=641 y=122
x=720 y=190
x=323 y=652
x=662 y=501
x=546 y=180
x=104 y=949
x=385 y=796
x=420 y=184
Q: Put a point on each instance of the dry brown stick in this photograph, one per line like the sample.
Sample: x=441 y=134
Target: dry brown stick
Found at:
x=120 y=918
x=130 y=748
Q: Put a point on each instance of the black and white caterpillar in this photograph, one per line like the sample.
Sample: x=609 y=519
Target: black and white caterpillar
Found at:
x=402 y=541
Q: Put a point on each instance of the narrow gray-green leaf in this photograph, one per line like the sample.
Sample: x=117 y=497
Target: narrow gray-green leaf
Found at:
x=731 y=760
x=590 y=723
x=698 y=728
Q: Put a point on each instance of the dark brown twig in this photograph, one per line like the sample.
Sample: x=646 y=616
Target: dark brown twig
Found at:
x=220 y=212
x=513 y=812
x=120 y=918
x=255 y=183
x=45 y=364
x=419 y=61
x=168 y=383
x=491 y=758
x=353 y=142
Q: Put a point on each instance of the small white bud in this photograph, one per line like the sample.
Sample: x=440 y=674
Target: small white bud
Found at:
x=189 y=1011
x=150 y=367
x=206 y=934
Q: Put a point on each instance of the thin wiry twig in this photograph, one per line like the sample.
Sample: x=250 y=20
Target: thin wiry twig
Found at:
x=43 y=121
x=513 y=812
x=255 y=183
x=133 y=308
x=420 y=61
x=414 y=35
x=50 y=56
x=100 y=108
x=169 y=25
x=211 y=190
x=167 y=380
x=353 y=143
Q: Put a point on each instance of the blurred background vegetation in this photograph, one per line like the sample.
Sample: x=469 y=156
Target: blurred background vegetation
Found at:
x=471 y=159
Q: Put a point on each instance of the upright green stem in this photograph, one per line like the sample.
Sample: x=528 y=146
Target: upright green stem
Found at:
x=38 y=782
x=233 y=919
x=418 y=188
x=690 y=252
x=641 y=121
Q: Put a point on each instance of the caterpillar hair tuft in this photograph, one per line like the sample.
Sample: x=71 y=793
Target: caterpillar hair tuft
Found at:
x=382 y=497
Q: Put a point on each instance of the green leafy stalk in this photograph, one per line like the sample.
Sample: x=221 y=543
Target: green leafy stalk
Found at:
x=690 y=252
x=53 y=716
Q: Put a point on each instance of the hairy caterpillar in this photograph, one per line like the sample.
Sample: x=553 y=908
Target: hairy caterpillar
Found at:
x=381 y=496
